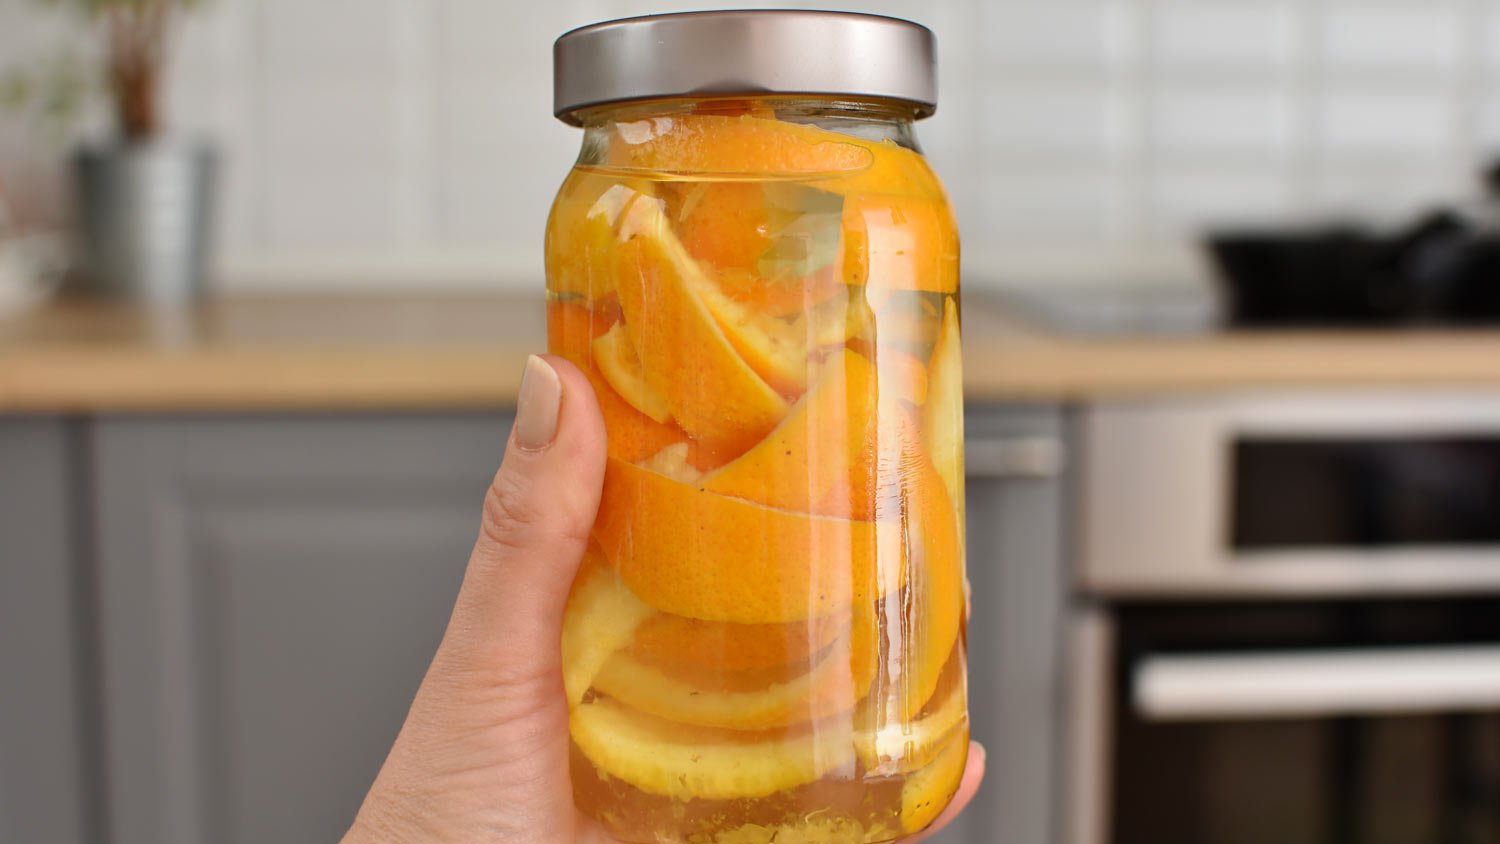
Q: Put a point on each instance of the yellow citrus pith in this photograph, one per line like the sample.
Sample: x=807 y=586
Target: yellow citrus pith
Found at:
x=660 y=757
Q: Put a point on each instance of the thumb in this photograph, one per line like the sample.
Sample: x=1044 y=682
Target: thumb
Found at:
x=535 y=527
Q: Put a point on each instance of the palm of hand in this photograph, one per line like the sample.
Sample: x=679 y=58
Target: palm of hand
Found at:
x=483 y=755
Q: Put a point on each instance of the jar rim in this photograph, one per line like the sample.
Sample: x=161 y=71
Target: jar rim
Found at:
x=746 y=53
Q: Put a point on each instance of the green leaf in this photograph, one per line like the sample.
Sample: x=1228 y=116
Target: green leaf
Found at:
x=805 y=227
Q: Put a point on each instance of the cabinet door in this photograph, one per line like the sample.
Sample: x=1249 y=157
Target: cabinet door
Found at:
x=1015 y=496
x=44 y=782
x=270 y=591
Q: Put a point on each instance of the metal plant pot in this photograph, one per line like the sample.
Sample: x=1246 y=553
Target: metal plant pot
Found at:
x=145 y=217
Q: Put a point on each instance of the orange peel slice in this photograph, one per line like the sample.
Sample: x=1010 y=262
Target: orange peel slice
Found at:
x=600 y=619
x=905 y=746
x=825 y=690
x=810 y=462
x=736 y=145
x=776 y=349
x=942 y=416
x=580 y=246
x=674 y=760
x=782 y=296
x=834 y=684
x=722 y=224
x=712 y=392
x=704 y=647
x=762 y=146
x=694 y=553
x=927 y=792
x=908 y=242
x=633 y=436
x=935 y=583
x=923 y=627
x=782 y=350
x=614 y=352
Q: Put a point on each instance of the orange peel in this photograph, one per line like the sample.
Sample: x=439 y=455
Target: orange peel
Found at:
x=943 y=417
x=600 y=619
x=810 y=461
x=735 y=145
x=722 y=224
x=712 y=393
x=633 y=436
x=695 y=553
x=900 y=747
x=679 y=761
x=935 y=583
x=833 y=684
x=782 y=296
x=908 y=242
x=704 y=647
x=580 y=246
x=924 y=626
x=927 y=792
x=751 y=146
x=614 y=354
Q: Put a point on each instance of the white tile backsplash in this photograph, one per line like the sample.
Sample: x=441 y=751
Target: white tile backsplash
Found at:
x=335 y=166
x=331 y=35
x=1056 y=208
x=1410 y=38
x=1041 y=119
x=1209 y=121
x=417 y=134
x=1255 y=36
x=1488 y=122
x=1398 y=192
x=1071 y=34
x=1394 y=123
x=1185 y=199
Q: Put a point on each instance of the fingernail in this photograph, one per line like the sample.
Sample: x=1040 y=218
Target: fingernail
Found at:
x=537 y=409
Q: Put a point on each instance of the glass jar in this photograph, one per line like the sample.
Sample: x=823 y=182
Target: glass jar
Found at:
x=766 y=639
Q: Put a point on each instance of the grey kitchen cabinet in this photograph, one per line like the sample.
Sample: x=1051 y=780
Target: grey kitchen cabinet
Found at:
x=220 y=620
x=270 y=591
x=1016 y=491
x=45 y=776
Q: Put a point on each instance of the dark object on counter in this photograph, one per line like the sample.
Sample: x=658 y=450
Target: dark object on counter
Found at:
x=1444 y=268
x=145 y=217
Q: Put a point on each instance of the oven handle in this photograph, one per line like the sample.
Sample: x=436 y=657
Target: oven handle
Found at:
x=1317 y=683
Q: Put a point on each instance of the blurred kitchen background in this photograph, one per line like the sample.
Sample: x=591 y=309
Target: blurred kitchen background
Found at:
x=1233 y=382
x=397 y=144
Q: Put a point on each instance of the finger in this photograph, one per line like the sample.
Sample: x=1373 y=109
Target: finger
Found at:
x=967 y=787
x=536 y=518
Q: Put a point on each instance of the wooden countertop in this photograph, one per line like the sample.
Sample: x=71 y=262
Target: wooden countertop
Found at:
x=301 y=353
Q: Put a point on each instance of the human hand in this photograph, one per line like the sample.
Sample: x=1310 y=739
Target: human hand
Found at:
x=483 y=755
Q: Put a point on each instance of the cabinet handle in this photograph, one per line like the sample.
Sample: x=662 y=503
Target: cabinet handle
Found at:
x=1014 y=457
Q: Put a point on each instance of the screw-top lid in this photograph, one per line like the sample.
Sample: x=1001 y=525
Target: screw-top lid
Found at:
x=745 y=53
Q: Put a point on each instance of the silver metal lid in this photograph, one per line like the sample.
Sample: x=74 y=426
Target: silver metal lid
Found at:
x=745 y=53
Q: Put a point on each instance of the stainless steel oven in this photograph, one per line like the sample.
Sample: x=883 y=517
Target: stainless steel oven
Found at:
x=1286 y=626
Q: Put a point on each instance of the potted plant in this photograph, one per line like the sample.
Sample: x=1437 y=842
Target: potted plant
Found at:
x=144 y=200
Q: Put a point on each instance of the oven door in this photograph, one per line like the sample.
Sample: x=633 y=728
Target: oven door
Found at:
x=1306 y=723
x=1332 y=494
